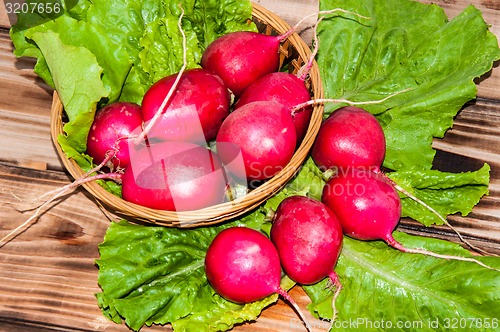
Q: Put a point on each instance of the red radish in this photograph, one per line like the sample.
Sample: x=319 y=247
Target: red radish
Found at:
x=243 y=266
x=308 y=237
x=110 y=131
x=241 y=57
x=264 y=132
x=350 y=137
x=369 y=208
x=174 y=176
x=195 y=111
x=366 y=204
x=287 y=89
x=284 y=88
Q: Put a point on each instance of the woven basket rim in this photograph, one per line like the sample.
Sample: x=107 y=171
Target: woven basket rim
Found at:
x=224 y=211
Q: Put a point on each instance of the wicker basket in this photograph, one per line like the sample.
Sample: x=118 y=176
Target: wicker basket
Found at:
x=294 y=52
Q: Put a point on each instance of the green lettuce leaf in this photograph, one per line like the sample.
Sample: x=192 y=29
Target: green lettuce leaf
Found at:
x=25 y=47
x=386 y=285
x=308 y=181
x=161 y=46
x=161 y=271
x=108 y=53
x=61 y=58
x=84 y=65
x=447 y=193
x=211 y=19
x=80 y=104
x=202 y=23
x=405 y=45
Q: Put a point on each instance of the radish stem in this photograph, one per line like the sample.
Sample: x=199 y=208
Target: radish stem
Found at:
x=431 y=209
x=287 y=297
x=335 y=282
x=312 y=102
x=396 y=245
x=304 y=70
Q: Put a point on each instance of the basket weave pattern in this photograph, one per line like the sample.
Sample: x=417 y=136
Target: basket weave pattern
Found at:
x=294 y=53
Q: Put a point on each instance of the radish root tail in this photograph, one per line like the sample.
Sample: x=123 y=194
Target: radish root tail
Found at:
x=289 y=299
x=109 y=155
x=59 y=192
x=298 y=108
x=431 y=209
x=304 y=70
x=396 y=245
x=335 y=282
x=321 y=12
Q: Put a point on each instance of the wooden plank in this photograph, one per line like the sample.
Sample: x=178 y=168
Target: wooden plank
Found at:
x=24 y=111
x=473 y=141
x=5 y=20
x=47 y=272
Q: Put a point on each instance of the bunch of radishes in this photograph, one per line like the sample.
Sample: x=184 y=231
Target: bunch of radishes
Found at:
x=188 y=143
x=243 y=265
x=306 y=235
x=172 y=168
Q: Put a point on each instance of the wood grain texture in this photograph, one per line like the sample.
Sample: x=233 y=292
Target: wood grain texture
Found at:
x=24 y=111
x=4 y=17
x=293 y=12
x=48 y=277
x=473 y=141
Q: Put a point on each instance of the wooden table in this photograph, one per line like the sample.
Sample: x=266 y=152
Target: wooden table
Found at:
x=47 y=274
